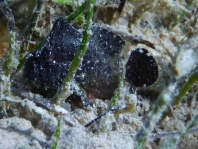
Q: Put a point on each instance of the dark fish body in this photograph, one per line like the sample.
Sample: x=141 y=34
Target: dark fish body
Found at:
x=46 y=68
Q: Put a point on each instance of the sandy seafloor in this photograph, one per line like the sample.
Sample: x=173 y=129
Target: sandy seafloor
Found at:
x=25 y=125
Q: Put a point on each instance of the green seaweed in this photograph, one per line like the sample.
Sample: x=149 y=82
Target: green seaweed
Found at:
x=64 y=1
x=31 y=4
x=76 y=14
x=117 y=93
x=181 y=15
x=11 y=62
x=28 y=31
x=193 y=79
x=22 y=60
x=79 y=55
x=57 y=133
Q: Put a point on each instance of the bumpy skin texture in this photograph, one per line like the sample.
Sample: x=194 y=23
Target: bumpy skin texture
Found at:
x=141 y=68
x=46 y=68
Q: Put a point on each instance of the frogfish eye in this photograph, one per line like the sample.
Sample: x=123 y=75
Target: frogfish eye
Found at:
x=141 y=68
